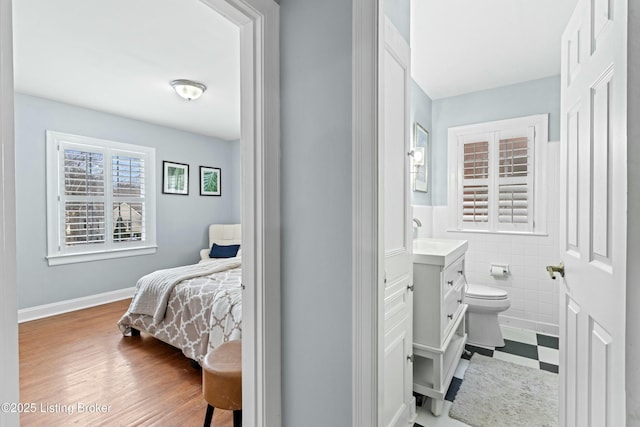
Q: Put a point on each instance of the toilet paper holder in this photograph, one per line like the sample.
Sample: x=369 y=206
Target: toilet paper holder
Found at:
x=499 y=270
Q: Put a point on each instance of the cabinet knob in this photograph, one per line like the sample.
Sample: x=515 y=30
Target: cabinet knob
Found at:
x=459 y=301
x=450 y=316
x=410 y=287
x=450 y=282
x=410 y=358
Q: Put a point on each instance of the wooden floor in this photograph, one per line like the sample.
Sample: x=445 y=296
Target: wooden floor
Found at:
x=77 y=369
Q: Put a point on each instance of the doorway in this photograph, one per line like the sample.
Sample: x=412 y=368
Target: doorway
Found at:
x=259 y=33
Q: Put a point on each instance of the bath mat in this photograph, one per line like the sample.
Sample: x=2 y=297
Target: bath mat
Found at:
x=495 y=393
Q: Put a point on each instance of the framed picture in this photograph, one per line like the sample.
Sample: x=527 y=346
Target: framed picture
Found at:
x=175 y=178
x=210 y=181
x=420 y=159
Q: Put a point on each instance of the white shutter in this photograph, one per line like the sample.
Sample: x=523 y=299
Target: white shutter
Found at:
x=475 y=203
x=515 y=180
x=128 y=173
x=513 y=205
x=83 y=197
x=493 y=182
x=475 y=184
x=100 y=199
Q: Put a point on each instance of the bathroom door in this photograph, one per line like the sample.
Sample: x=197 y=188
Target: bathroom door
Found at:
x=593 y=215
x=395 y=380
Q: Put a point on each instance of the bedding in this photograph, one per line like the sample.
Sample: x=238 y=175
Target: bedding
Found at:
x=195 y=308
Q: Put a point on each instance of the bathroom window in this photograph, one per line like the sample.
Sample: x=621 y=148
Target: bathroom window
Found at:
x=494 y=176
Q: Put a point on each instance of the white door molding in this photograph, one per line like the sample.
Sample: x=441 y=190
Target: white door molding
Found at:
x=367 y=339
x=9 y=385
x=259 y=23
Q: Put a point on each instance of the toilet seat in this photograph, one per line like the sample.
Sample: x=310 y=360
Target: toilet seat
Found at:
x=475 y=291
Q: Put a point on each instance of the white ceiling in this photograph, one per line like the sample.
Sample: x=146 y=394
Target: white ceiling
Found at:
x=461 y=46
x=119 y=56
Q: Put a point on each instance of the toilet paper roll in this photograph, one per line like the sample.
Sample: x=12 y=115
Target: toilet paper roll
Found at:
x=498 y=270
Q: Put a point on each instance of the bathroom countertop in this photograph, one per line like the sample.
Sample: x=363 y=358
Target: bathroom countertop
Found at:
x=438 y=251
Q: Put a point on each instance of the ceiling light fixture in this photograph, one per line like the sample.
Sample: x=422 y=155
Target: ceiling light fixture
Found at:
x=188 y=89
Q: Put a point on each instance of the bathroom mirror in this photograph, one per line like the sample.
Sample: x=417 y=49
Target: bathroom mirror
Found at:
x=420 y=158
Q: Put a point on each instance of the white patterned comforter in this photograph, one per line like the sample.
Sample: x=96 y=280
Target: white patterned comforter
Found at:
x=201 y=313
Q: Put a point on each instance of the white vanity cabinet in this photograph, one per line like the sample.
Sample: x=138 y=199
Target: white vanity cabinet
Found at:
x=438 y=315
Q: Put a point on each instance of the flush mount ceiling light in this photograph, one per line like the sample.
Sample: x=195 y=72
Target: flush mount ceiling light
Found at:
x=188 y=89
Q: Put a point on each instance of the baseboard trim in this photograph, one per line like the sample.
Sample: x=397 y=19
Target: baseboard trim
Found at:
x=532 y=325
x=47 y=310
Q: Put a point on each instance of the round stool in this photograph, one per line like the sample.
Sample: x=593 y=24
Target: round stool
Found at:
x=222 y=381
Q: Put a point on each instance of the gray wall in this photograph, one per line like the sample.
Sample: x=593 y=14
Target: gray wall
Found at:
x=533 y=97
x=233 y=181
x=182 y=221
x=316 y=86
x=399 y=13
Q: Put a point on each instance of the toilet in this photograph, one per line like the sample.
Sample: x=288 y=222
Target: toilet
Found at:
x=484 y=304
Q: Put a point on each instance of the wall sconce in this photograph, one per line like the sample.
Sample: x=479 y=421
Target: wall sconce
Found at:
x=188 y=89
x=418 y=156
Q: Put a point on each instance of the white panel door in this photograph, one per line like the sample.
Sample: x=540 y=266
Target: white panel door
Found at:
x=593 y=215
x=395 y=222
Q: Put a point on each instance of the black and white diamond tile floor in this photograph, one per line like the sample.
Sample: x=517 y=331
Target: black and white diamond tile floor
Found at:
x=522 y=347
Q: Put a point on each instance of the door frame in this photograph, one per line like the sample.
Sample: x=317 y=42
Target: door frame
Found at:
x=9 y=378
x=632 y=364
x=259 y=24
x=367 y=307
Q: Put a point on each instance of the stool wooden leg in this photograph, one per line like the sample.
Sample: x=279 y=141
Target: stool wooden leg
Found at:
x=208 y=416
x=237 y=418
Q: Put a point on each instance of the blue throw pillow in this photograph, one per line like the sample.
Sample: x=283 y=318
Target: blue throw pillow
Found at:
x=220 y=251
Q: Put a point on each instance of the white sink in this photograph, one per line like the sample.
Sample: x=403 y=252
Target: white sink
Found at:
x=438 y=251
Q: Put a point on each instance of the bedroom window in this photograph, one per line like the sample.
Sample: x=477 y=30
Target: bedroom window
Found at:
x=100 y=199
x=497 y=181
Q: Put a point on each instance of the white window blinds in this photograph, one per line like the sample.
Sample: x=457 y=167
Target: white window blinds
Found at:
x=129 y=205
x=83 y=198
x=475 y=188
x=100 y=197
x=514 y=180
x=496 y=179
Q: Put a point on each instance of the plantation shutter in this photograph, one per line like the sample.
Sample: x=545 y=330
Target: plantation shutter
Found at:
x=83 y=197
x=495 y=183
x=103 y=197
x=128 y=196
x=515 y=180
x=475 y=182
x=100 y=199
x=496 y=191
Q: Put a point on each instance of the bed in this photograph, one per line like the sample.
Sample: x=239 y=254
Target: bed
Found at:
x=196 y=307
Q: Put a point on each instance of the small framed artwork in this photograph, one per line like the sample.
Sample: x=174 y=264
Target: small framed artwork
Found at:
x=420 y=158
x=175 y=178
x=210 y=181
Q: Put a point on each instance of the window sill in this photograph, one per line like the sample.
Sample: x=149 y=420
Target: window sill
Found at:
x=96 y=256
x=514 y=233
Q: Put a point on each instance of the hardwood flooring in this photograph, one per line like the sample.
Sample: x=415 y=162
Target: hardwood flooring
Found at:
x=77 y=369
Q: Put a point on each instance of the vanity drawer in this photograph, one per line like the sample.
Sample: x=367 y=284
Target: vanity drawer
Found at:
x=452 y=275
x=451 y=308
